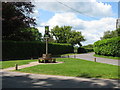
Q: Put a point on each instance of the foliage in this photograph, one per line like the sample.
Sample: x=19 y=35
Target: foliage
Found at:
x=64 y=34
x=75 y=67
x=81 y=50
x=109 y=57
x=28 y=34
x=85 y=49
x=33 y=49
x=111 y=34
x=15 y=17
x=88 y=46
x=118 y=31
x=108 y=47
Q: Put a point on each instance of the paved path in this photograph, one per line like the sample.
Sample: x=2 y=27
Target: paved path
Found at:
x=90 y=57
x=27 y=80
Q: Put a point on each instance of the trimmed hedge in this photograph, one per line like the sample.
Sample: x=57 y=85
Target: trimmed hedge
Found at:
x=89 y=50
x=34 y=49
x=108 y=47
x=81 y=50
x=84 y=50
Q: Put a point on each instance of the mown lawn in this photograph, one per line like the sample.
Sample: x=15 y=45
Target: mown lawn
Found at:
x=77 y=68
x=109 y=57
x=7 y=64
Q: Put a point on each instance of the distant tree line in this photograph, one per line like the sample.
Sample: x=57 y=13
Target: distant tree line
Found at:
x=18 y=25
x=65 y=34
x=16 y=22
x=111 y=34
x=109 y=44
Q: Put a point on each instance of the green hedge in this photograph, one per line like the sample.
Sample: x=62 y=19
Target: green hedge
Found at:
x=81 y=50
x=34 y=49
x=108 y=47
x=89 y=50
x=84 y=50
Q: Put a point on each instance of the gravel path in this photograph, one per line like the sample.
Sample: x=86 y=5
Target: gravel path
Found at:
x=90 y=57
x=27 y=80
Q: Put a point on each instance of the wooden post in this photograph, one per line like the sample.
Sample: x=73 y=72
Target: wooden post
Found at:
x=16 y=66
x=74 y=56
x=68 y=56
x=94 y=59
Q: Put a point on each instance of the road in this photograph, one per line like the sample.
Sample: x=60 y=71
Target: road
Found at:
x=90 y=57
x=27 y=80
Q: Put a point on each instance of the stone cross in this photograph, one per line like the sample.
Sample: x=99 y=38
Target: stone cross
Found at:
x=47 y=35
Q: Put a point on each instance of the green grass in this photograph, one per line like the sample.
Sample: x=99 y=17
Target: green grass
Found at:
x=72 y=54
x=64 y=54
x=68 y=54
x=77 y=68
x=7 y=64
x=109 y=57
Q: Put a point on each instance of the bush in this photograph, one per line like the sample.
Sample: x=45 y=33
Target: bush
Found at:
x=34 y=49
x=88 y=46
x=108 y=47
x=81 y=50
x=89 y=49
x=85 y=49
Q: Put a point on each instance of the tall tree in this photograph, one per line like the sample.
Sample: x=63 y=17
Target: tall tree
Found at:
x=75 y=37
x=61 y=33
x=118 y=31
x=15 y=16
x=65 y=34
x=110 y=34
x=28 y=34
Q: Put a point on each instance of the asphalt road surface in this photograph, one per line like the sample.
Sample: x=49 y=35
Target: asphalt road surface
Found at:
x=90 y=57
x=26 y=80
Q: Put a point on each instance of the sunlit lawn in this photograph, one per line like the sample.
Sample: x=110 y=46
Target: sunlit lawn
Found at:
x=109 y=57
x=7 y=64
x=77 y=68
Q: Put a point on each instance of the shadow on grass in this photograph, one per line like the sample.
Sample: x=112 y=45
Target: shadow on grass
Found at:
x=87 y=75
x=37 y=81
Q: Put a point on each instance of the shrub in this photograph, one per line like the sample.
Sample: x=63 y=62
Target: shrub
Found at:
x=89 y=49
x=108 y=47
x=88 y=46
x=85 y=49
x=33 y=49
x=81 y=50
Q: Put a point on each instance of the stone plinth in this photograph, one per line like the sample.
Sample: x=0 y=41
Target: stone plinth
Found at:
x=46 y=58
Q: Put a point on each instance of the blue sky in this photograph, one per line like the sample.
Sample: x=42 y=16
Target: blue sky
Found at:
x=94 y=17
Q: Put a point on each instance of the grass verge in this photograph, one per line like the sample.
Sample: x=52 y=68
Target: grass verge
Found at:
x=77 y=68
x=109 y=57
x=7 y=64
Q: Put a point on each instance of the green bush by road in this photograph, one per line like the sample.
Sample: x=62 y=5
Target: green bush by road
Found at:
x=108 y=47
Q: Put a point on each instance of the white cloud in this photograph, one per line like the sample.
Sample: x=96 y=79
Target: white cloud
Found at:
x=41 y=30
x=91 y=7
x=92 y=30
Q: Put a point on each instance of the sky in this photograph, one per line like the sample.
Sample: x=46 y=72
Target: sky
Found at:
x=92 y=18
